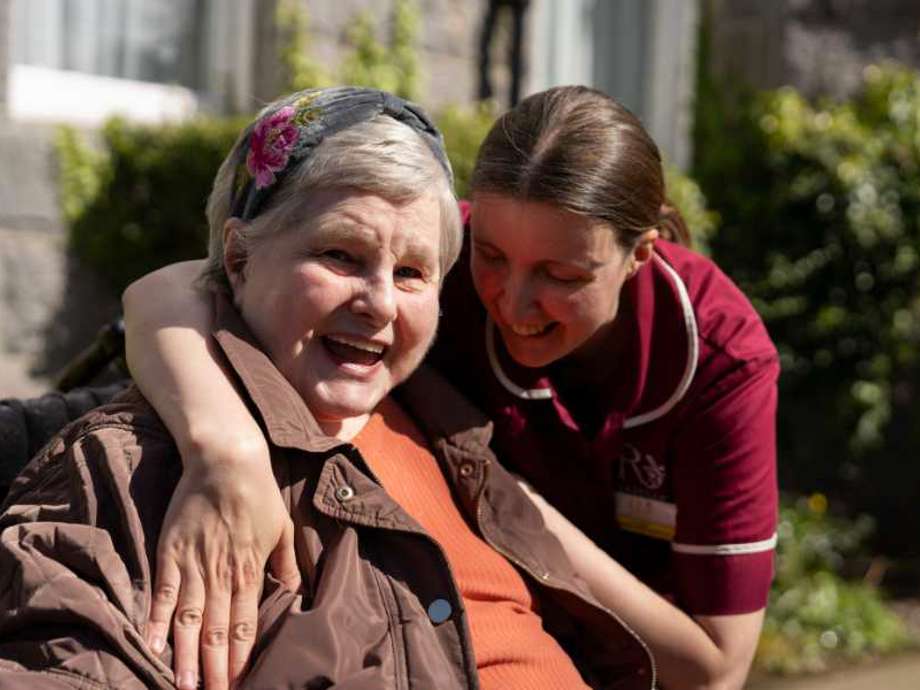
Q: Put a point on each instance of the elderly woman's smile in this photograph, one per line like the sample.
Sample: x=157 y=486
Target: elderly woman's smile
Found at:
x=347 y=349
x=346 y=302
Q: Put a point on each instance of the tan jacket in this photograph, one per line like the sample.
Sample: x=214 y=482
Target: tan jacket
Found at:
x=79 y=530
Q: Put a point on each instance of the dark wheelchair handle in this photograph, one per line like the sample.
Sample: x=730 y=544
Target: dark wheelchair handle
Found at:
x=108 y=346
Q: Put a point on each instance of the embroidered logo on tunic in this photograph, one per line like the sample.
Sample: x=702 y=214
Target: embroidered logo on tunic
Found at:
x=641 y=505
x=641 y=468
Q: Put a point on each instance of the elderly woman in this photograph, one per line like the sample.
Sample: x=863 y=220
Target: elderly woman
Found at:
x=423 y=564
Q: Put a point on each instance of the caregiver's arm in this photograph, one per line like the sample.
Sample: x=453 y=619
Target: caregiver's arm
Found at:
x=226 y=518
x=711 y=652
x=724 y=481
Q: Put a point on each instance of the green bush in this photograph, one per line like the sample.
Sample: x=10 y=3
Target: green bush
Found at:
x=685 y=194
x=139 y=203
x=820 y=224
x=464 y=128
x=816 y=617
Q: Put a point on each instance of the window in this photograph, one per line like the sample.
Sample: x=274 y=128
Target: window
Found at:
x=145 y=40
x=82 y=61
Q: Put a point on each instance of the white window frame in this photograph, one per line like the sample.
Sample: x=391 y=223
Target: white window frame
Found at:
x=40 y=94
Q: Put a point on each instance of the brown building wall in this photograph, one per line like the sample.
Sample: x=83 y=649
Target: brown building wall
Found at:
x=447 y=41
x=818 y=46
x=4 y=53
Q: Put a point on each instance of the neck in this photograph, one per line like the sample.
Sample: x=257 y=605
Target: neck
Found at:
x=599 y=358
x=344 y=429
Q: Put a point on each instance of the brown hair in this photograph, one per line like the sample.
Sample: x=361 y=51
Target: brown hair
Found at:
x=579 y=149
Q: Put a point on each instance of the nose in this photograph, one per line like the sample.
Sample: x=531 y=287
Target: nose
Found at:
x=517 y=301
x=376 y=298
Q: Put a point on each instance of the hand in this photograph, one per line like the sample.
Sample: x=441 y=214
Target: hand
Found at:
x=225 y=520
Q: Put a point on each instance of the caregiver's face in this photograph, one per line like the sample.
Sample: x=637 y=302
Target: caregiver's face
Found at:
x=346 y=303
x=550 y=279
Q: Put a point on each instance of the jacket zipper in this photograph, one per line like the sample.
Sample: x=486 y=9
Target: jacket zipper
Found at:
x=549 y=580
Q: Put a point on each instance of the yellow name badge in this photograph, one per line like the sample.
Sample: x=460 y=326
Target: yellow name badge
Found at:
x=647 y=516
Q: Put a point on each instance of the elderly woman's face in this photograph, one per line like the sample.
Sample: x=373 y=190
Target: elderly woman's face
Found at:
x=345 y=304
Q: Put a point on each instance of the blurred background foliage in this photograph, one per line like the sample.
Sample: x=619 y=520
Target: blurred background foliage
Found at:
x=819 y=207
x=822 y=608
x=813 y=208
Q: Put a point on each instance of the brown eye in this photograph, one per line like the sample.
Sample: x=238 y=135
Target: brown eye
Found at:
x=338 y=255
x=407 y=273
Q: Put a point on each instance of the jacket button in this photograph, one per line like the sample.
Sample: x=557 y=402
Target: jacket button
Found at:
x=344 y=493
x=439 y=610
x=466 y=469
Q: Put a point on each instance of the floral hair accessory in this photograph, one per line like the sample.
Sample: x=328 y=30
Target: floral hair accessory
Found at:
x=270 y=146
x=286 y=135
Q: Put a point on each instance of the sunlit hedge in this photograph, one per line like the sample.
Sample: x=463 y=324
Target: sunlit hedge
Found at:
x=821 y=612
x=820 y=224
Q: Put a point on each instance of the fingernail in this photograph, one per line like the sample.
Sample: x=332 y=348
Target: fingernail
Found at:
x=187 y=681
x=157 y=644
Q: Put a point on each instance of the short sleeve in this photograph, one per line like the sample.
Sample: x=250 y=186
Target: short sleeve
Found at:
x=725 y=489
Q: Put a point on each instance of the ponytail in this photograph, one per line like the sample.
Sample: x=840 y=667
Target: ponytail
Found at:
x=672 y=226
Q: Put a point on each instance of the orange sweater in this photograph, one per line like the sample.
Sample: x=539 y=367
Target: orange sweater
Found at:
x=510 y=646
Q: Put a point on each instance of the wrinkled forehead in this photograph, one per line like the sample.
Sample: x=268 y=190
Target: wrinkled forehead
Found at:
x=355 y=216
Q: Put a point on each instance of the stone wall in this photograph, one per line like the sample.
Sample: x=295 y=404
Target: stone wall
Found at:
x=818 y=46
x=448 y=48
x=4 y=52
x=49 y=308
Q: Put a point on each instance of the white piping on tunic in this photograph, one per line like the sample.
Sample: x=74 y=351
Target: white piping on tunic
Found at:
x=510 y=386
x=693 y=353
x=725 y=549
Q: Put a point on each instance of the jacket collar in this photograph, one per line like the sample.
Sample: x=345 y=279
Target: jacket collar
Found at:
x=288 y=421
x=442 y=412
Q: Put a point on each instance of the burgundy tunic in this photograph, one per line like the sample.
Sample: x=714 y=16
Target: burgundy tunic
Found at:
x=679 y=481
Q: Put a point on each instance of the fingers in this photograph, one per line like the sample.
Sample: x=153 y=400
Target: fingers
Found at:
x=187 y=628
x=283 y=560
x=208 y=619
x=244 y=612
x=165 y=595
x=215 y=629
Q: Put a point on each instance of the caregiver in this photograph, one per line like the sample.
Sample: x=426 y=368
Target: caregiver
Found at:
x=631 y=384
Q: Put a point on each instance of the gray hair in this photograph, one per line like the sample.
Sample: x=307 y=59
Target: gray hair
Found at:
x=380 y=156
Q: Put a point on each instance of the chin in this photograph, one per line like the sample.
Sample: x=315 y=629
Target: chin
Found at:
x=534 y=357
x=343 y=401
x=532 y=360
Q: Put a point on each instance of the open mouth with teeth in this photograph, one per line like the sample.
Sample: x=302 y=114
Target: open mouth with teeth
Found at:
x=344 y=349
x=528 y=331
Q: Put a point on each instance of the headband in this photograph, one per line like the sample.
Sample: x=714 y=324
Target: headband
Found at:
x=289 y=132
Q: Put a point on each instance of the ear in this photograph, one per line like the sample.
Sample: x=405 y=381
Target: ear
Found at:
x=643 y=251
x=234 y=253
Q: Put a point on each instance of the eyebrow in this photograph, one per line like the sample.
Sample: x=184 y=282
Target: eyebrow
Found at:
x=589 y=265
x=422 y=253
x=351 y=231
x=340 y=229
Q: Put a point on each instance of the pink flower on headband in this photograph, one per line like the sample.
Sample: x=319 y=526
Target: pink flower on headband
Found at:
x=270 y=145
